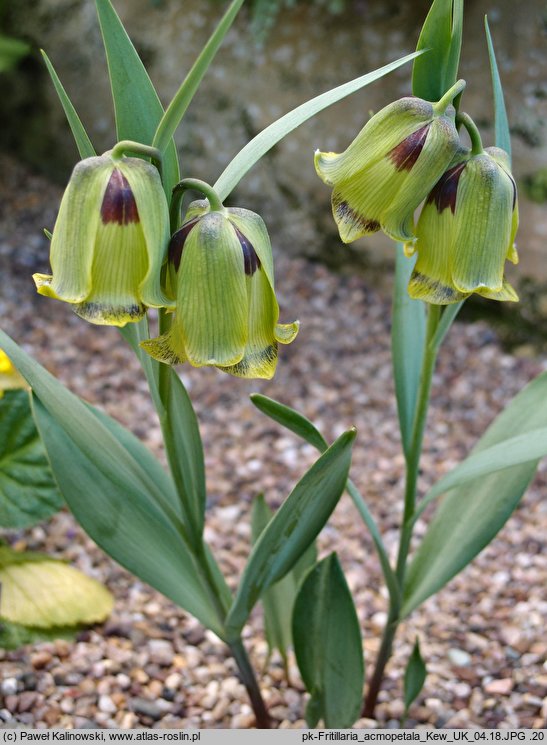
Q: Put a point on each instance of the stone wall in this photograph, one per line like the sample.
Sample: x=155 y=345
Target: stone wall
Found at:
x=307 y=52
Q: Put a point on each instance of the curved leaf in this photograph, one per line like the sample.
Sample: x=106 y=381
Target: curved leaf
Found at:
x=501 y=125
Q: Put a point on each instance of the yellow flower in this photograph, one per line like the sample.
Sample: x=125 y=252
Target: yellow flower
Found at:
x=466 y=231
x=390 y=167
x=109 y=241
x=9 y=376
x=227 y=313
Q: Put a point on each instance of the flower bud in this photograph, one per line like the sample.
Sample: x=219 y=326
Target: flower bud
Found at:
x=390 y=167
x=109 y=241
x=227 y=311
x=466 y=231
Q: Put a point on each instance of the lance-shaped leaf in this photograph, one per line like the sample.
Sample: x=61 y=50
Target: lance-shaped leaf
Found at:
x=265 y=140
x=503 y=137
x=407 y=346
x=111 y=493
x=136 y=104
x=415 y=675
x=293 y=529
x=470 y=515
x=441 y=38
x=28 y=493
x=327 y=643
x=291 y=419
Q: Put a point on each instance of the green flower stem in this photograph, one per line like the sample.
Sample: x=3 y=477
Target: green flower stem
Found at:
x=196 y=185
x=145 y=151
x=431 y=348
x=441 y=105
x=249 y=681
x=472 y=131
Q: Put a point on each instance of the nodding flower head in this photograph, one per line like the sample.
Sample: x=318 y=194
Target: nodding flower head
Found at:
x=466 y=231
x=227 y=313
x=109 y=241
x=390 y=167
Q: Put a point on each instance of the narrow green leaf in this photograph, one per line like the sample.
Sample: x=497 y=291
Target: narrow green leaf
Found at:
x=407 y=345
x=278 y=600
x=503 y=136
x=137 y=107
x=435 y=72
x=111 y=493
x=327 y=644
x=469 y=516
x=293 y=528
x=445 y=324
x=291 y=419
x=415 y=675
x=28 y=493
x=265 y=140
x=177 y=108
x=83 y=143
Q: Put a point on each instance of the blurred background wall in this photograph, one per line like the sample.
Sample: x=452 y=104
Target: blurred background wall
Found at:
x=262 y=72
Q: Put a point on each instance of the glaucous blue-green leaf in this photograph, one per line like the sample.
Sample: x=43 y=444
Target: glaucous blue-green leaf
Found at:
x=435 y=72
x=28 y=493
x=111 y=493
x=291 y=419
x=137 y=106
x=83 y=143
x=407 y=345
x=470 y=515
x=265 y=140
x=501 y=124
x=448 y=317
x=181 y=100
x=415 y=675
x=293 y=529
x=327 y=644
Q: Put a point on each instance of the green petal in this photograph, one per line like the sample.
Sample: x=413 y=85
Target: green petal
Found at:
x=506 y=294
x=167 y=348
x=211 y=295
x=285 y=333
x=153 y=210
x=483 y=226
x=73 y=239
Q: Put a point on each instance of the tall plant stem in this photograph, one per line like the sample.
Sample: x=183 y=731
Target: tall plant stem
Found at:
x=412 y=470
x=249 y=681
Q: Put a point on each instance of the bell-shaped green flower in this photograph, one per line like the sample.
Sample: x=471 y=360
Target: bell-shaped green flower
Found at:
x=466 y=231
x=227 y=313
x=109 y=241
x=391 y=166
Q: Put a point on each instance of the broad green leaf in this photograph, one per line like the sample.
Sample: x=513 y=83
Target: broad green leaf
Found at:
x=301 y=426
x=407 y=345
x=83 y=143
x=177 y=108
x=179 y=423
x=293 y=528
x=503 y=136
x=265 y=140
x=14 y=635
x=327 y=644
x=43 y=592
x=137 y=107
x=441 y=35
x=415 y=675
x=114 y=498
x=28 y=493
x=470 y=515
x=291 y=419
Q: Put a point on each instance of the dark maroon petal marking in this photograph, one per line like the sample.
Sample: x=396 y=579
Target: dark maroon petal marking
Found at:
x=407 y=152
x=176 y=244
x=251 y=261
x=445 y=191
x=344 y=212
x=119 y=204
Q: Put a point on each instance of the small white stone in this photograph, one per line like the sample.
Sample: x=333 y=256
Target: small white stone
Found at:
x=459 y=657
x=9 y=686
x=106 y=705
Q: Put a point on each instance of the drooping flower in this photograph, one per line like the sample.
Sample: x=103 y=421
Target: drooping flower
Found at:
x=10 y=378
x=391 y=166
x=466 y=231
x=227 y=313
x=109 y=241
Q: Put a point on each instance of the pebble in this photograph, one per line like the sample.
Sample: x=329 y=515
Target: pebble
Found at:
x=459 y=657
x=502 y=686
x=146 y=708
x=106 y=705
x=9 y=686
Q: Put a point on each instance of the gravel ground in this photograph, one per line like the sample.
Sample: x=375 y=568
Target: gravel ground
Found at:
x=150 y=664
